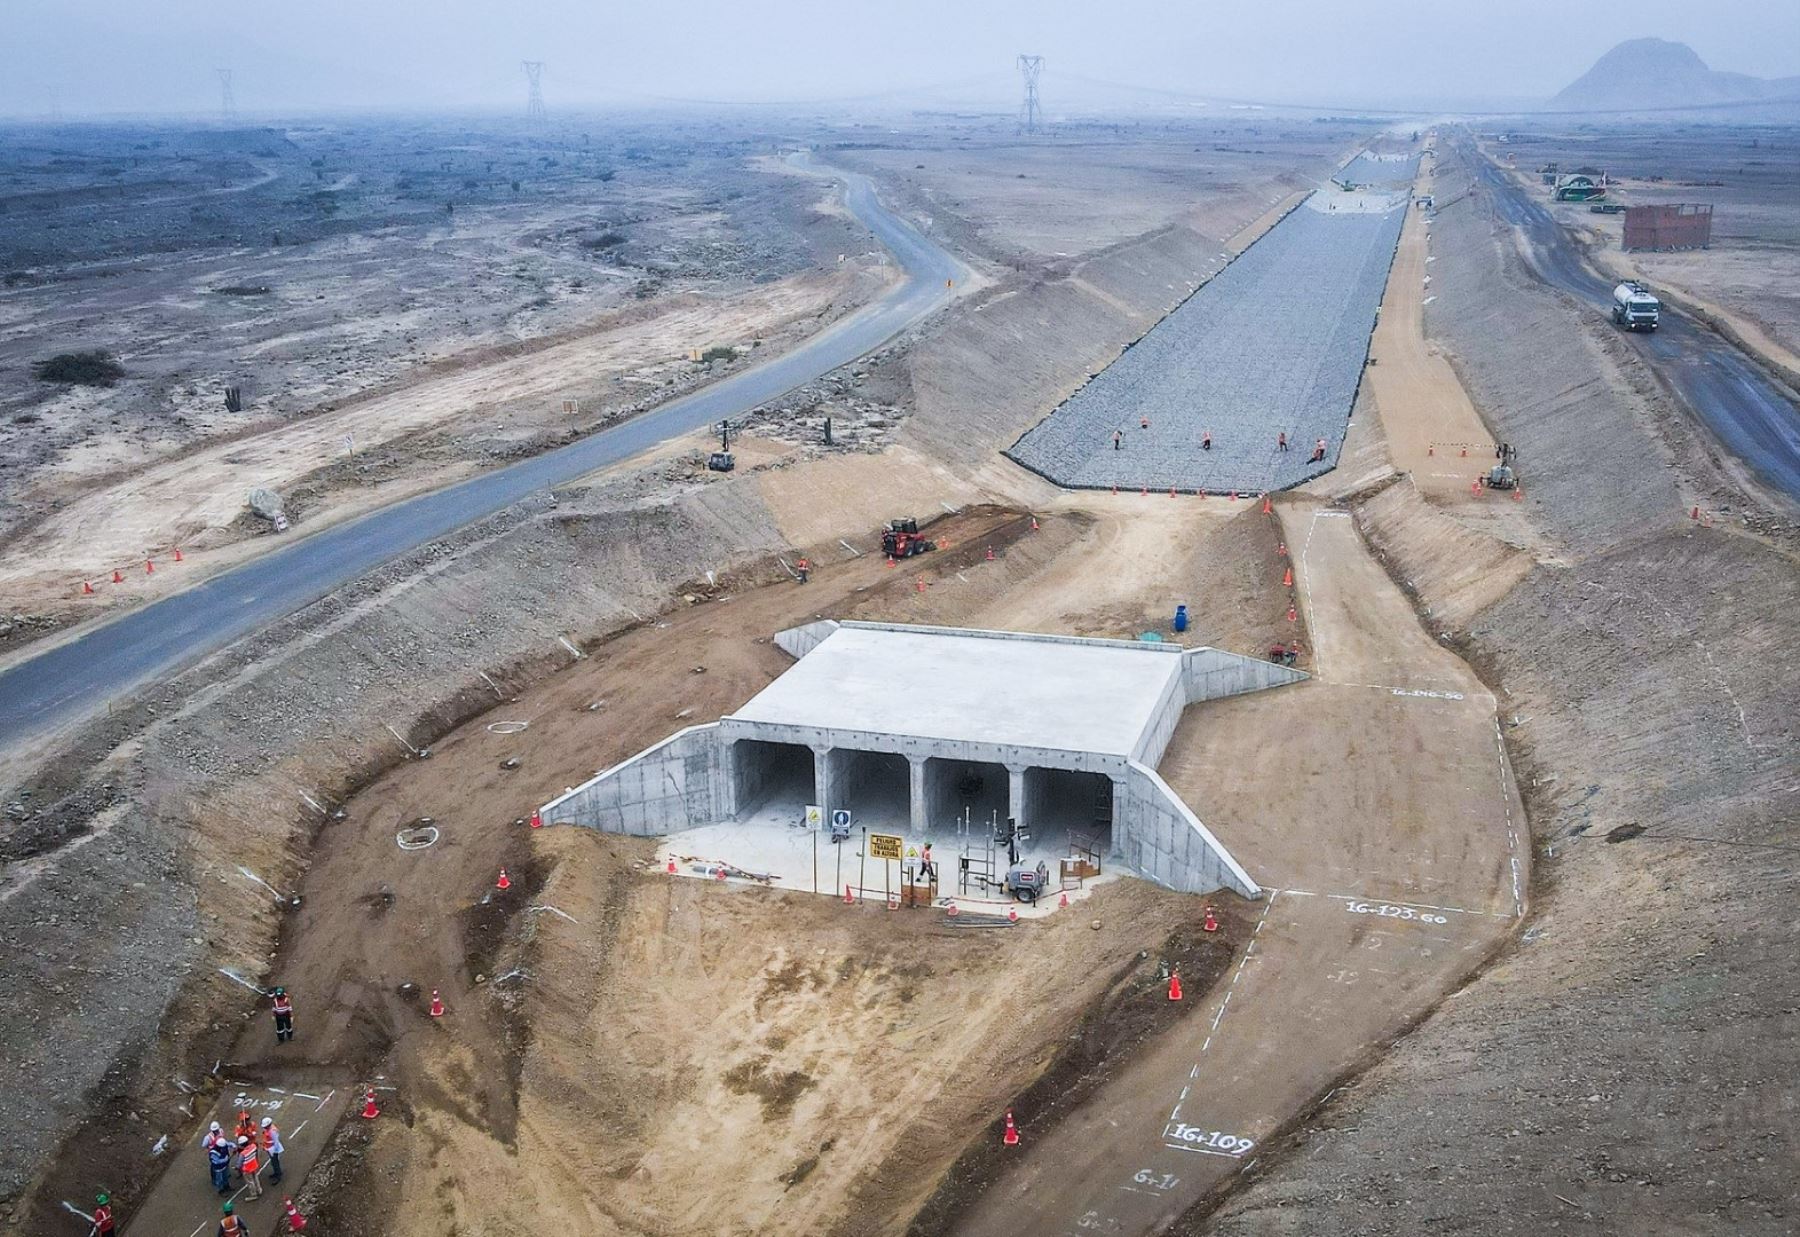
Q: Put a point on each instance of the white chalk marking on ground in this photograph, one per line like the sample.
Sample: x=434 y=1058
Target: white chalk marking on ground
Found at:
x=578 y=653
x=554 y=911
x=1419 y=906
x=327 y=1099
x=498 y=694
x=947 y=507
x=298 y=1128
x=1512 y=832
x=1306 y=597
x=313 y=803
x=1199 y=1150
x=279 y=896
x=855 y=553
x=201 y=1229
x=235 y=978
x=275 y=1090
x=403 y=743
x=1229 y=990
x=302 y=1095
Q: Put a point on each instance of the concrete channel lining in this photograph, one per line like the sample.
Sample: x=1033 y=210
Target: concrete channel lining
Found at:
x=836 y=739
x=1276 y=342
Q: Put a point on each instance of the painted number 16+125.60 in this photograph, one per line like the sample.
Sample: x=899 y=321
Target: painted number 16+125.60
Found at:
x=1389 y=911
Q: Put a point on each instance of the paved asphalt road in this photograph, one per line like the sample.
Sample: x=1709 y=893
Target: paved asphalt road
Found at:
x=1747 y=411
x=76 y=678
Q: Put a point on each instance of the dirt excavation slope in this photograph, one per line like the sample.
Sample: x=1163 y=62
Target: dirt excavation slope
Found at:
x=1625 y=1067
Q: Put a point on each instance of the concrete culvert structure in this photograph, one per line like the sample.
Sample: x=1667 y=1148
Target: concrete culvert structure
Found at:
x=916 y=729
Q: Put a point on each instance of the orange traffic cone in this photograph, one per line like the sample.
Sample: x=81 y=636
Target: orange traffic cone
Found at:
x=990 y=554
x=1171 y=491
x=1011 y=1137
x=1063 y=902
x=1692 y=515
x=503 y=882
x=537 y=819
x=119 y=576
x=890 y=561
x=1034 y=524
x=87 y=589
x=149 y=566
x=950 y=910
x=1267 y=509
x=1281 y=549
x=295 y=1220
x=437 y=1004
x=671 y=865
x=1293 y=615
x=720 y=874
x=1518 y=493
x=848 y=900
x=1465 y=453
x=369 y=1112
x=1287 y=578
x=1174 y=985
x=919 y=585
x=1012 y=916
x=178 y=554
x=1211 y=923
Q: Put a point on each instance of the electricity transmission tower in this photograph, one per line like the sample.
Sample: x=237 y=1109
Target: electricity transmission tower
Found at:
x=534 y=100
x=1029 y=111
x=227 y=101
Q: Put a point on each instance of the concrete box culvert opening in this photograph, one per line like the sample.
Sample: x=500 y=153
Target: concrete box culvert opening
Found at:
x=915 y=730
x=959 y=792
x=874 y=787
x=774 y=781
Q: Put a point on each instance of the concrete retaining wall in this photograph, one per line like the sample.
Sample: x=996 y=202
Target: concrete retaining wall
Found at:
x=680 y=783
x=1211 y=674
x=797 y=642
x=1165 y=841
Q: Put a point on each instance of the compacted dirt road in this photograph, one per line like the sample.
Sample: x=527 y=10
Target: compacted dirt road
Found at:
x=1376 y=806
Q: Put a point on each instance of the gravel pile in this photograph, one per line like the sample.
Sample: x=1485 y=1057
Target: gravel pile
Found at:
x=1276 y=342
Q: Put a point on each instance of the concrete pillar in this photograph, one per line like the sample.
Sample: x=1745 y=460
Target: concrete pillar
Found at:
x=921 y=809
x=1015 y=793
x=728 y=779
x=822 y=782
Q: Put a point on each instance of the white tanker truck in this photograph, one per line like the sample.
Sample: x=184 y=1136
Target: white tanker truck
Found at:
x=1634 y=308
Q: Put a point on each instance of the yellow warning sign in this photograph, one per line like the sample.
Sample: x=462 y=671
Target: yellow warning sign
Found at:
x=912 y=852
x=885 y=845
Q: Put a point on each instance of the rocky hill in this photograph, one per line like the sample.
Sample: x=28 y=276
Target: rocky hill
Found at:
x=1655 y=74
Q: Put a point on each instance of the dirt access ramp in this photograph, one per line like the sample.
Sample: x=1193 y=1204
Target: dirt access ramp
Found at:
x=1376 y=805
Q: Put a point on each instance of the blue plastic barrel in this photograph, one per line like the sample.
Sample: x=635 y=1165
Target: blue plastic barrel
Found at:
x=1180 y=618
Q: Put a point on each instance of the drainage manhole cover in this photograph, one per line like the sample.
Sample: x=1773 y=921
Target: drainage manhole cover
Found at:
x=507 y=727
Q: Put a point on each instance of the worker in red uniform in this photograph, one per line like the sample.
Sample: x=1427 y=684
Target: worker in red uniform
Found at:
x=804 y=569
x=1143 y=423
x=1281 y=441
x=1206 y=440
x=1318 y=451
x=284 y=1016
x=229 y=1224
x=103 y=1216
x=250 y=1165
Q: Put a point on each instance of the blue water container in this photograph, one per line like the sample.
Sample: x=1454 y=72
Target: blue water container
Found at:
x=1180 y=619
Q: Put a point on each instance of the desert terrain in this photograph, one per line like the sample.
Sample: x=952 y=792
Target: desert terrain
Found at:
x=1524 y=834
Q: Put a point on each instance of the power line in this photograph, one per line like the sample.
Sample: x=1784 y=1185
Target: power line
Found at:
x=1029 y=69
x=534 y=99
x=228 y=112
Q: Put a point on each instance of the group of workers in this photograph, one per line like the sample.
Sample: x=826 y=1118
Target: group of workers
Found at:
x=238 y=1156
x=1206 y=441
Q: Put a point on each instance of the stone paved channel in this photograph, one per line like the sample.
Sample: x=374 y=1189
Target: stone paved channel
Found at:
x=1276 y=342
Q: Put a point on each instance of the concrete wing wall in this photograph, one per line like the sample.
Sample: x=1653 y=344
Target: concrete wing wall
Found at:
x=797 y=642
x=1165 y=841
x=680 y=783
x=1213 y=673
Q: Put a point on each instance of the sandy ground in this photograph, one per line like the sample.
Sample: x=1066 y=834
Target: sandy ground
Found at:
x=193 y=499
x=1376 y=806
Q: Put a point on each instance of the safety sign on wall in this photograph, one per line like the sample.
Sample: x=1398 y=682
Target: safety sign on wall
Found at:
x=885 y=845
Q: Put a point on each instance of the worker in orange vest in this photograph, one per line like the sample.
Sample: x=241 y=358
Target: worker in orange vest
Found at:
x=103 y=1216
x=1281 y=441
x=284 y=1016
x=229 y=1224
x=272 y=1147
x=251 y=1166
x=805 y=570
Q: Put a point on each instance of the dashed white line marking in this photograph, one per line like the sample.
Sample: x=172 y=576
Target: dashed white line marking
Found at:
x=1230 y=990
